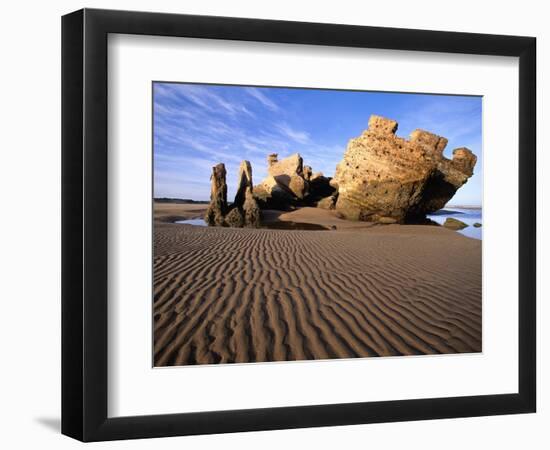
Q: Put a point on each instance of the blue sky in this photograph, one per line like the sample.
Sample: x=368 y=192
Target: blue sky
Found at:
x=197 y=126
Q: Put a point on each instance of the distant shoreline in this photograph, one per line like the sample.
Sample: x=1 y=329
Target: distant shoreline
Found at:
x=461 y=207
x=182 y=201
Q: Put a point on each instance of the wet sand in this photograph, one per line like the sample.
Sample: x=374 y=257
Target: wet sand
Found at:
x=171 y=212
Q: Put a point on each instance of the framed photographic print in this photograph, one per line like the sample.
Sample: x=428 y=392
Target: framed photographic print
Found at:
x=273 y=224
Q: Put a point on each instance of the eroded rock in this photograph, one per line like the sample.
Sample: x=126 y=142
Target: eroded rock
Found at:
x=251 y=209
x=244 y=183
x=234 y=218
x=271 y=195
x=320 y=188
x=454 y=224
x=382 y=178
x=290 y=183
x=385 y=176
x=308 y=173
x=217 y=209
x=244 y=212
x=289 y=174
x=327 y=202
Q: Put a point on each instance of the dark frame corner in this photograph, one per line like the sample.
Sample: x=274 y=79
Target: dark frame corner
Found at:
x=84 y=224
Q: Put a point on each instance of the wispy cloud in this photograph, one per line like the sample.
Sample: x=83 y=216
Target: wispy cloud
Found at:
x=201 y=96
x=299 y=136
x=262 y=98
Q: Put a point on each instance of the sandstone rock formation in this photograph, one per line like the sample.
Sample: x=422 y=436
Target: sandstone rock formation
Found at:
x=308 y=173
x=289 y=183
x=320 y=188
x=244 y=183
x=382 y=178
x=252 y=213
x=245 y=202
x=327 y=202
x=385 y=178
x=271 y=195
x=234 y=218
x=218 y=197
x=289 y=173
x=244 y=212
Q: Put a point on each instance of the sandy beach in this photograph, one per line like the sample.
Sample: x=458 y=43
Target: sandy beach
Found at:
x=171 y=212
x=236 y=295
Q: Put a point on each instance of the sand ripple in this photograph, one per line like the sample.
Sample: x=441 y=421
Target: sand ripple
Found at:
x=235 y=295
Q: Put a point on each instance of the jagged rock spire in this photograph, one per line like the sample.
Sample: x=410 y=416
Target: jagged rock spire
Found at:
x=218 y=196
x=244 y=212
x=244 y=182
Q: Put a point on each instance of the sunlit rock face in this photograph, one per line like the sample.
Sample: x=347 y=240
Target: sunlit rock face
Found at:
x=385 y=178
x=245 y=202
x=217 y=209
x=244 y=182
x=251 y=210
x=289 y=174
x=244 y=211
x=289 y=183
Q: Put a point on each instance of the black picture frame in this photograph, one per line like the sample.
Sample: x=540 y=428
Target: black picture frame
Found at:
x=84 y=224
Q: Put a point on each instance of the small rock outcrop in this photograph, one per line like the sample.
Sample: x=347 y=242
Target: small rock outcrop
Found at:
x=385 y=178
x=454 y=224
x=244 y=212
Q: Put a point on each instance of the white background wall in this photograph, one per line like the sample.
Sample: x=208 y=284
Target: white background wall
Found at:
x=30 y=225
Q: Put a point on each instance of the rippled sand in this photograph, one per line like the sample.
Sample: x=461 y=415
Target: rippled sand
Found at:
x=226 y=295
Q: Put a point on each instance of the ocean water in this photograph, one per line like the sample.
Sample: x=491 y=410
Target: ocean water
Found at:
x=467 y=215
x=196 y=222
